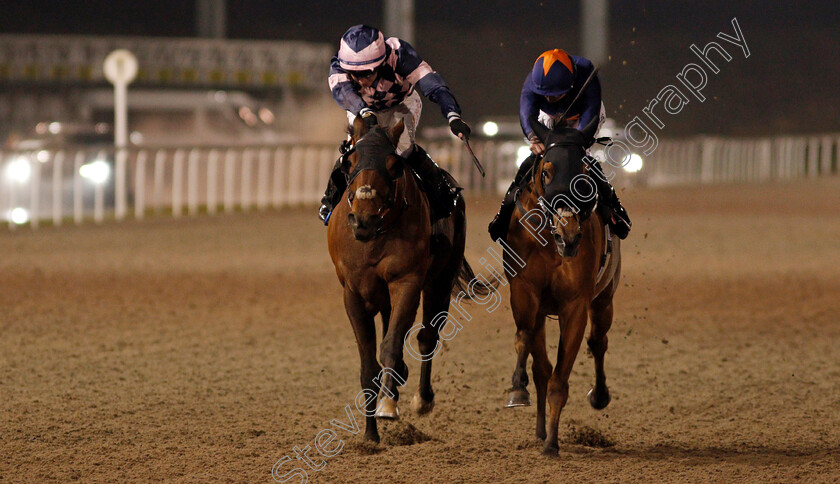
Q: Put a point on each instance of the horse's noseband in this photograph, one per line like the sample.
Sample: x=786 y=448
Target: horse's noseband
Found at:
x=549 y=212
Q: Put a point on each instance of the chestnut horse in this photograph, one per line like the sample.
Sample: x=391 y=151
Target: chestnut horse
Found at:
x=386 y=254
x=571 y=269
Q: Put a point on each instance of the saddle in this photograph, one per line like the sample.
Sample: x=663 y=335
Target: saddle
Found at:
x=442 y=199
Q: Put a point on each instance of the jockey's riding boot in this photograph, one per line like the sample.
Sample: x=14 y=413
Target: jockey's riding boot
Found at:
x=619 y=221
x=616 y=216
x=335 y=188
x=441 y=193
x=499 y=225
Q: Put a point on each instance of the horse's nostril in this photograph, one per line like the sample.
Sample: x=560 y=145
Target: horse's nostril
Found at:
x=351 y=219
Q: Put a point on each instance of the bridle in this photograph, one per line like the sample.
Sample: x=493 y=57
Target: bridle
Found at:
x=559 y=143
x=544 y=206
x=397 y=202
x=548 y=212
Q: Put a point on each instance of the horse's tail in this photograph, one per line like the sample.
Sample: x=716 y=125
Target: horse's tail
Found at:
x=466 y=277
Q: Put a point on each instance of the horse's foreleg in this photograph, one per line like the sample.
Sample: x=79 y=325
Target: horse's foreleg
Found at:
x=602 y=317
x=365 y=331
x=573 y=316
x=405 y=298
x=524 y=307
x=541 y=368
x=386 y=319
x=427 y=338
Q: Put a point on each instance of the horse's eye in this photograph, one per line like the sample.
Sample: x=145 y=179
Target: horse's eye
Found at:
x=545 y=177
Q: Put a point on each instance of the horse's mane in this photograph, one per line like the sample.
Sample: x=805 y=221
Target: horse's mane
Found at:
x=568 y=135
x=376 y=135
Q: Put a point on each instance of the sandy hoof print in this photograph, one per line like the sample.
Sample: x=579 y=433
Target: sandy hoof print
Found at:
x=387 y=409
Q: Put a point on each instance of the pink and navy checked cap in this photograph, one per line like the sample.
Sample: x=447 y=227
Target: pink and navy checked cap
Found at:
x=362 y=48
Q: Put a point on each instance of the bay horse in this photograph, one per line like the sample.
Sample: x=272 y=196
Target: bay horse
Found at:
x=386 y=254
x=571 y=270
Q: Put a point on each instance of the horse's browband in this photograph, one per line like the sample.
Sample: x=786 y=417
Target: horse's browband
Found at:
x=561 y=143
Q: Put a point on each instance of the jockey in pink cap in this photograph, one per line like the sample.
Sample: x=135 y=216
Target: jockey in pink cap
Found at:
x=375 y=78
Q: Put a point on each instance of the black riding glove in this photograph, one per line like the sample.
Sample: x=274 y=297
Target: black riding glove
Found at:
x=345 y=146
x=459 y=127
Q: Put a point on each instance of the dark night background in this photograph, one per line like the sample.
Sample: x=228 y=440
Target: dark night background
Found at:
x=789 y=84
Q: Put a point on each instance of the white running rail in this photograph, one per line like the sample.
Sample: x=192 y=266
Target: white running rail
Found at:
x=75 y=184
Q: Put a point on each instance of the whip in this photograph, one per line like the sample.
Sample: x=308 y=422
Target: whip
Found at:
x=580 y=91
x=474 y=158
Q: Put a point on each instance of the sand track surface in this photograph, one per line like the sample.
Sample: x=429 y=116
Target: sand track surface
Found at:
x=205 y=349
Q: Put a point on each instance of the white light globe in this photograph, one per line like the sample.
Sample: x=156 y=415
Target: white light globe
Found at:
x=634 y=164
x=18 y=170
x=19 y=215
x=96 y=171
x=490 y=128
x=522 y=153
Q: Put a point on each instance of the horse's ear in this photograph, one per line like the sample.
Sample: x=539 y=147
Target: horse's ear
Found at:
x=359 y=128
x=590 y=130
x=539 y=129
x=395 y=133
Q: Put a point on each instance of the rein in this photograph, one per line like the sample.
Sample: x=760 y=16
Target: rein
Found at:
x=559 y=143
x=533 y=171
x=546 y=211
x=389 y=204
x=397 y=200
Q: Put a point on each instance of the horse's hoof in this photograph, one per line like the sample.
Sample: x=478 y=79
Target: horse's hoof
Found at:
x=420 y=406
x=518 y=398
x=551 y=450
x=387 y=409
x=599 y=400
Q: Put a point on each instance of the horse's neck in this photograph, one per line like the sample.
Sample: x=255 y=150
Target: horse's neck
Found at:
x=528 y=197
x=408 y=194
x=413 y=193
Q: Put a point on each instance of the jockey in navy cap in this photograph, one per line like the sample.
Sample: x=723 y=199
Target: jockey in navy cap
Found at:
x=549 y=89
x=375 y=78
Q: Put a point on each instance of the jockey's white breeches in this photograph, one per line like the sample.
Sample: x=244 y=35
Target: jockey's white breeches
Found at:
x=408 y=111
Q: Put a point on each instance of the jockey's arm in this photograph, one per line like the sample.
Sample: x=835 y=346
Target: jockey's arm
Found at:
x=433 y=87
x=527 y=108
x=590 y=97
x=419 y=73
x=342 y=89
